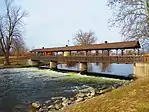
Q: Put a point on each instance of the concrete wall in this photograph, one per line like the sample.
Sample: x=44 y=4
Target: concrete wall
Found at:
x=83 y=67
x=53 y=65
x=32 y=63
x=141 y=70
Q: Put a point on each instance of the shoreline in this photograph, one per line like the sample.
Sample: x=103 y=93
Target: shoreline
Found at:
x=14 y=66
x=61 y=103
x=129 y=98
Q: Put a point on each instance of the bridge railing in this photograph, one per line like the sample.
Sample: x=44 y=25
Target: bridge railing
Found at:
x=93 y=59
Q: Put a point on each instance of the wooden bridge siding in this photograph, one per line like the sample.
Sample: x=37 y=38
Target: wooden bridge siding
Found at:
x=94 y=59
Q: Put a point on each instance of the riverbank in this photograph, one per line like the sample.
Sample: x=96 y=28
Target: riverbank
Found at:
x=14 y=66
x=15 y=62
x=58 y=104
x=130 y=98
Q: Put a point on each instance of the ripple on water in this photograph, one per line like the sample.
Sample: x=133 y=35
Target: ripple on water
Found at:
x=20 y=87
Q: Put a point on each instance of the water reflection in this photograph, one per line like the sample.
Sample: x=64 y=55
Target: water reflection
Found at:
x=105 y=67
x=90 y=67
x=117 y=69
x=70 y=64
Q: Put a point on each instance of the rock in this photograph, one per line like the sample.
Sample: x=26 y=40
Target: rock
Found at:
x=51 y=107
x=44 y=107
x=89 y=97
x=79 y=99
x=40 y=110
x=112 y=88
x=72 y=99
x=64 y=99
x=62 y=109
x=64 y=104
x=81 y=95
x=88 y=94
x=58 y=106
x=69 y=102
x=48 y=101
x=56 y=101
x=36 y=105
x=92 y=93
x=100 y=92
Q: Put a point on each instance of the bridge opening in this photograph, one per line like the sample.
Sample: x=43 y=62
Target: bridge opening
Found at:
x=125 y=52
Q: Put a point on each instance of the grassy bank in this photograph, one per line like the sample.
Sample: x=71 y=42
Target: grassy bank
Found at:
x=131 y=98
x=14 y=62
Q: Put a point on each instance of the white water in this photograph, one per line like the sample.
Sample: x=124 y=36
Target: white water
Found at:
x=25 y=85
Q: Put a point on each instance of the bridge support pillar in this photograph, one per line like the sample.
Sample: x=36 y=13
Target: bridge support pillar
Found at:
x=83 y=67
x=32 y=63
x=141 y=70
x=53 y=65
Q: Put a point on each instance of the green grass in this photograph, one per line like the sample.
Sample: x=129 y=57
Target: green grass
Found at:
x=131 y=98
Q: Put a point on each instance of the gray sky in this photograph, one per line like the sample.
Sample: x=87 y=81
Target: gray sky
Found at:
x=52 y=23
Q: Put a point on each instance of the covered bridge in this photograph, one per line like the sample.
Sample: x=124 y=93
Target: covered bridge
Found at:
x=93 y=47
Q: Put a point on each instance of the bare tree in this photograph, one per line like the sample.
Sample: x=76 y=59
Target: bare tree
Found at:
x=18 y=47
x=132 y=16
x=10 y=27
x=85 y=38
x=130 y=52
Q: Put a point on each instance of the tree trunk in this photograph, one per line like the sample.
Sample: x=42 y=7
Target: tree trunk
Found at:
x=6 y=61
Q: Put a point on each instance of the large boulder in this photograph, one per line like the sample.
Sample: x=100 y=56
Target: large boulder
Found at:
x=36 y=105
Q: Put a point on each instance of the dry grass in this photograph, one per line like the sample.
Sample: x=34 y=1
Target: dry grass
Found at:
x=20 y=62
x=131 y=98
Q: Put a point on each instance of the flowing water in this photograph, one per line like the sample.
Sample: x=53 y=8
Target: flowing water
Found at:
x=19 y=87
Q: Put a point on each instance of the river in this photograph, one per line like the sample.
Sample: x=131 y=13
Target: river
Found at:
x=19 y=87
x=116 y=69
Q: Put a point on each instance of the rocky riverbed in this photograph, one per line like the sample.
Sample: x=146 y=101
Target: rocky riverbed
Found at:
x=58 y=104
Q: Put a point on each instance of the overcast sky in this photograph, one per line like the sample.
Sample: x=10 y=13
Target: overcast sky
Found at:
x=52 y=23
